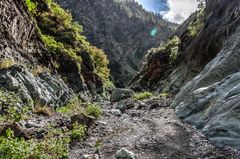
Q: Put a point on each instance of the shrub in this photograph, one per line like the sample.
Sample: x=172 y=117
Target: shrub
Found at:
x=170 y=47
x=31 y=6
x=38 y=70
x=7 y=63
x=101 y=62
x=18 y=148
x=73 y=106
x=93 y=110
x=51 y=148
x=12 y=107
x=78 y=132
x=143 y=95
x=196 y=25
x=164 y=95
x=61 y=35
x=47 y=111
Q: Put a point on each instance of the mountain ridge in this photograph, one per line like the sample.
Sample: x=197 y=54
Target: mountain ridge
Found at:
x=122 y=29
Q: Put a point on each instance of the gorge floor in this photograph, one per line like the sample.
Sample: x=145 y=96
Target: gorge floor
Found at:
x=149 y=133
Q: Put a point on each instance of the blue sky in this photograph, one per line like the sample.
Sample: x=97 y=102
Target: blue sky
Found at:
x=154 y=5
x=173 y=10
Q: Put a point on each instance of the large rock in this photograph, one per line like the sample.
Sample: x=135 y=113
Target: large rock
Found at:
x=82 y=119
x=120 y=94
x=211 y=100
x=125 y=154
x=44 y=89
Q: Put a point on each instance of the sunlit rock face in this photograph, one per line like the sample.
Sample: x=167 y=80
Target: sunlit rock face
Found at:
x=123 y=29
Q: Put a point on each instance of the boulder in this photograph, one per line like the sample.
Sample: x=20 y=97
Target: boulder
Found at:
x=115 y=112
x=123 y=153
x=119 y=94
x=82 y=119
x=126 y=104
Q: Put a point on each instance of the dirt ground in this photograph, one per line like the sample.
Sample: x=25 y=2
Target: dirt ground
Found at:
x=150 y=134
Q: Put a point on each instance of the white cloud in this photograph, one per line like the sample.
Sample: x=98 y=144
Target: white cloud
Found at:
x=180 y=10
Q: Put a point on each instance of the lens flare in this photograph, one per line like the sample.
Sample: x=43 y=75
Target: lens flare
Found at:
x=154 y=32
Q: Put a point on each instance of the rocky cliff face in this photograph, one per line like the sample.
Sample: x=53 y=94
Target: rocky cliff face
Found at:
x=28 y=66
x=122 y=29
x=205 y=72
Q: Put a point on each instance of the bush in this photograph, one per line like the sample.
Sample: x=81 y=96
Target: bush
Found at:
x=170 y=47
x=78 y=132
x=18 y=148
x=101 y=62
x=7 y=63
x=61 y=35
x=47 y=111
x=73 y=106
x=164 y=95
x=39 y=69
x=143 y=95
x=93 y=110
x=12 y=107
x=196 y=25
x=31 y=6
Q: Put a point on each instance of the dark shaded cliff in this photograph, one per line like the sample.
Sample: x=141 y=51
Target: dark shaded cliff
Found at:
x=122 y=29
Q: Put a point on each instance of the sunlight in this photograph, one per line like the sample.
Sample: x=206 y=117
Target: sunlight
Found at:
x=154 y=32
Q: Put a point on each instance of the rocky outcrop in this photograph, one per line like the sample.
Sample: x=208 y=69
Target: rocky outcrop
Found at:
x=120 y=94
x=44 y=89
x=212 y=101
x=18 y=36
x=30 y=70
x=201 y=36
x=205 y=75
x=122 y=29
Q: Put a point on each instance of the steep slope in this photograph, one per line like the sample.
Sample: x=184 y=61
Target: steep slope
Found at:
x=122 y=29
x=203 y=57
x=49 y=44
x=49 y=72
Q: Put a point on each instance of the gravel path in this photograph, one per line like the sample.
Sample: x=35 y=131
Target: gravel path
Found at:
x=150 y=134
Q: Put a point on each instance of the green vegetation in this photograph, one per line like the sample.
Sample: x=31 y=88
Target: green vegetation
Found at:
x=196 y=25
x=38 y=70
x=61 y=35
x=73 y=106
x=143 y=95
x=31 y=6
x=78 y=132
x=101 y=62
x=18 y=148
x=164 y=95
x=10 y=106
x=171 y=48
x=76 y=106
x=6 y=63
x=93 y=110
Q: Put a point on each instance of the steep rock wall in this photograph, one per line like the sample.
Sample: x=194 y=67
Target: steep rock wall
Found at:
x=205 y=75
x=28 y=69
